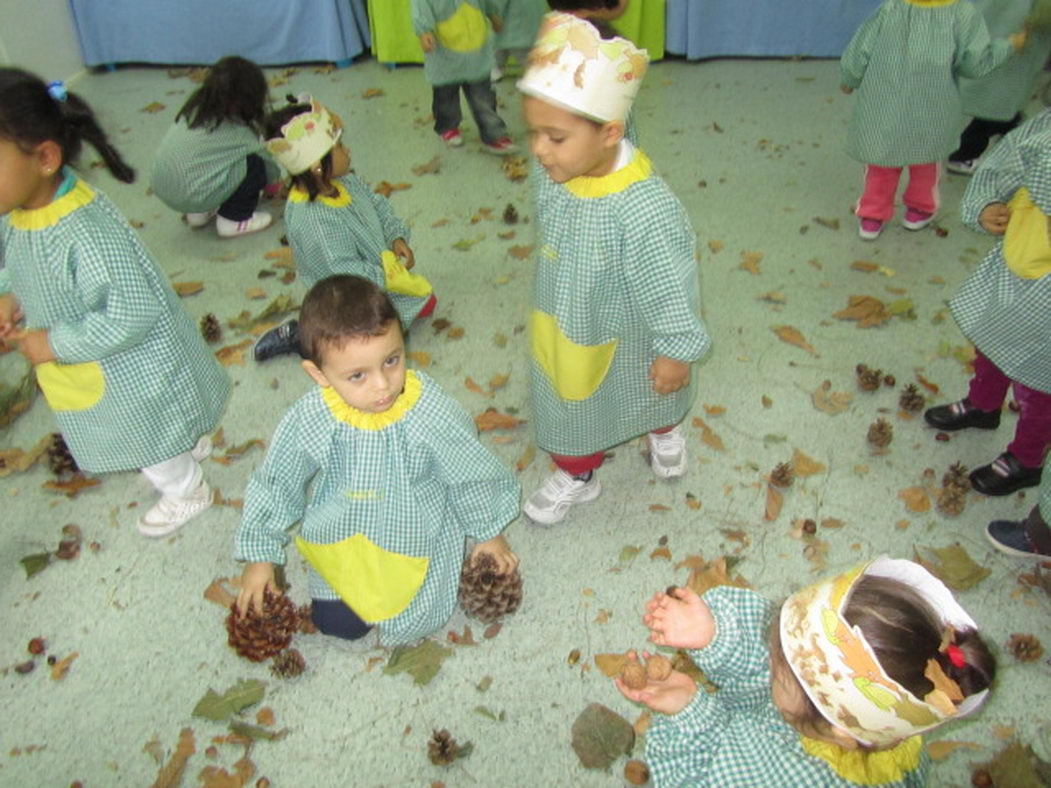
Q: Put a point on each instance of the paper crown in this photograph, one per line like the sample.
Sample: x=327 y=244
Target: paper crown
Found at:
x=306 y=138
x=839 y=671
x=572 y=67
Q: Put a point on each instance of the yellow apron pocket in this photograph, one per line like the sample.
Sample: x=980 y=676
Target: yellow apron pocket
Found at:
x=1027 y=247
x=376 y=583
x=575 y=371
x=70 y=387
x=400 y=279
x=464 y=31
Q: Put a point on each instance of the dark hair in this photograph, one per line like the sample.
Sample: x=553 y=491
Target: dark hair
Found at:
x=340 y=308
x=605 y=30
x=313 y=184
x=30 y=116
x=235 y=89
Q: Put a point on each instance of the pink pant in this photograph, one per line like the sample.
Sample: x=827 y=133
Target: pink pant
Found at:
x=1033 y=434
x=578 y=466
x=881 y=184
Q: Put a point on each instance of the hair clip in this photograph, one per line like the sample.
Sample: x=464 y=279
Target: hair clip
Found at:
x=57 y=90
x=955 y=655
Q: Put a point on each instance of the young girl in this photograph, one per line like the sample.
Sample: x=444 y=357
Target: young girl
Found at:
x=120 y=363
x=212 y=160
x=832 y=690
x=397 y=480
x=335 y=223
x=458 y=54
x=521 y=21
x=905 y=61
x=616 y=323
x=1003 y=307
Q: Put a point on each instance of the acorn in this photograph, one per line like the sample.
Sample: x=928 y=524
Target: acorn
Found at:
x=510 y=214
x=37 y=646
x=809 y=527
x=633 y=675
x=658 y=667
x=636 y=772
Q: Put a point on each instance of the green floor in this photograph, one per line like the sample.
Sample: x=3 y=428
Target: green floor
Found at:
x=755 y=152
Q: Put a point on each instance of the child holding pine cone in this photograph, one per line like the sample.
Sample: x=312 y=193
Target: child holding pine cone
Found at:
x=833 y=690
x=397 y=480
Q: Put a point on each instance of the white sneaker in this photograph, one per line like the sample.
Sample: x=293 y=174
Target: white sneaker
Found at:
x=203 y=449
x=496 y=74
x=228 y=228
x=197 y=220
x=962 y=166
x=668 y=453
x=551 y=502
x=168 y=515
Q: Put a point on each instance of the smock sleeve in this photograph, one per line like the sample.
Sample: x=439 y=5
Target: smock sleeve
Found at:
x=393 y=227
x=423 y=19
x=997 y=178
x=855 y=58
x=976 y=53
x=737 y=658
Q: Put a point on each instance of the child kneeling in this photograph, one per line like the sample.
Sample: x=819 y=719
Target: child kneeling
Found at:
x=397 y=478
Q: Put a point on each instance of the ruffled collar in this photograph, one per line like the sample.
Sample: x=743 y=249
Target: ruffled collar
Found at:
x=71 y=194
x=341 y=200
x=868 y=768
x=638 y=169
x=361 y=420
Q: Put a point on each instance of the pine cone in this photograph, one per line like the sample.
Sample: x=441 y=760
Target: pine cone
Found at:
x=306 y=619
x=259 y=637
x=510 y=214
x=957 y=476
x=210 y=328
x=288 y=664
x=442 y=748
x=486 y=594
x=1026 y=648
x=911 y=399
x=952 y=500
x=881 y=433
x=869 y=379
x=59 y=459
x=782 y=475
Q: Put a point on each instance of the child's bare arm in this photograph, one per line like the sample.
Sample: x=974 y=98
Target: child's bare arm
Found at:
x=680 y=620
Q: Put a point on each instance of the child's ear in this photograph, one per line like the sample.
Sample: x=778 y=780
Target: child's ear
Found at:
x=315 y=373
x=49 y=156
x=612 y=133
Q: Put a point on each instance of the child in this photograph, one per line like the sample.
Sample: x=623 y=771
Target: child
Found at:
x=905 y=60
x=212 y=161
x=335 y=223
x=397 y=479
x=995 y=101
x=616 y=324
x=1003 y=307
x=521 y=20
x=833 y=690
x=1030 y=537
x=120 y=363
x=458 y=54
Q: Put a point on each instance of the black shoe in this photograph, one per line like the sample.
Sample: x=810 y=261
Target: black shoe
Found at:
x=280 y=341
x=961 y=415
x=1009 y=536
x=1003 y=476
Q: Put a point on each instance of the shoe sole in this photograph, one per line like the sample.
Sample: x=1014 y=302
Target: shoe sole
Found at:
x=538 y=519
x=866 y=235
x=1007 y=550
x=914 y=226
x=957 y=428
x=1005 y=491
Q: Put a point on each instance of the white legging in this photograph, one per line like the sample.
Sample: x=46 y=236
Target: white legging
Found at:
x=177 y=477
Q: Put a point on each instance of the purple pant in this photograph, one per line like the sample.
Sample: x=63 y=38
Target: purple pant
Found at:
x=1033 y=434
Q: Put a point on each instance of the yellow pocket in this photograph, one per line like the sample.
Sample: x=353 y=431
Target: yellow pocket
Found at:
x=376 y=583
x=71 y=386
x=400 y=279
x=464 y=31
x=575 y=371
x=1027 y=247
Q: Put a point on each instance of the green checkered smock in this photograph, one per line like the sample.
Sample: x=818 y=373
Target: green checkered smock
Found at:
x=196 y=170
x=347 y=235
x=418 y=486
x=521 y=23
x=80 y=271
x=620 y=267
x=904 y=61
x=467 y=52
x=1007 y=317
x=736 y=737
x=1003 y=93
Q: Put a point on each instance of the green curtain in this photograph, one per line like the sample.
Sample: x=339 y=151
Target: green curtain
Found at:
x=393 y=41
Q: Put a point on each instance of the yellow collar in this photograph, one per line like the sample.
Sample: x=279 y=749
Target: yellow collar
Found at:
x=41 y=218
x=868 y=768
x=361 y=420
x=638 y=169
x=930 y=3
x=341 y=200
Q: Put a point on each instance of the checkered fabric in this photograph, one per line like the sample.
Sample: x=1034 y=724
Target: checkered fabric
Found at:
x=419 y=487
x=904 y=61
x=447 y=66
x=619 y=267
x=736 y=737
x=521 y=23
x=90 y=282
x=1005 y=316
x=196 y=170
x=328 y=239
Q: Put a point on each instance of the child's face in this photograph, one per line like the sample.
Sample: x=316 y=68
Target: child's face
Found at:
x=368 y=373
x=567 y=145
x=340 y=160
x=27 y=179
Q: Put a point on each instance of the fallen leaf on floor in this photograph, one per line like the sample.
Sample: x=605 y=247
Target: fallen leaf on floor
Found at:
x=916 y=499
x=255 y=293
x=470 y=385
x=35 y=563
x=1012 y=767
x=72 y=486
x=832 y=522
x=805 y=466
x=516 y=168
x=232 y=453
x=705 y=575
x=750 y=262
x=520 y=252
x=831 y=224
x=464 y=244
x=816 y=552
x=18 y=460
x=793 y=336
x=440 y=223
x=492 y=419
x=432 y=167
x=867 y=310
x=170 y=774
x=218 y=593
x=279 y=306
x=61 y=668
x=456 y=332
x=716 y=246
x=775 y=500
x=233 y=354
x=152 y=108
x=506 y=236
x=708 y=435
x=256 y=732
x=282 y=258
x=244 y=693
x=933 y=388
x=864 y=266
x=420 y=357
x=829 y=401
x=737 y=535
x=372 y=93
x=154 y=749
x=714 y=410
x=486 y=712
x=466 y=638
x=952 y=565
x=484 y=684
x=422 y=661
x=661 y=552
x=498 y=382
x=527 y=457
x=773 y=297
x=659 y=507
x=216 y=777
x=184 y=289
x=603 y=616
x=601 y=736
x=692 y=502
x=386 y=188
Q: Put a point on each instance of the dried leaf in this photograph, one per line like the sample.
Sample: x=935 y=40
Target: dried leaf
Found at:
x=420 y=357
x=184 y=289
x=706 y=575
x=520 y=252
x=265 y=716
x=386 y=187
x=72 y=486
x=456 y=332
x=805 y=466
x=492 y=419
x=464 y=244
x=933 y=388
x=372 y=93
x=659 y=507
x=610 y=664
x=244 y=693
x=422 y=661
x=714 y=410
x=793 y=336
x=61 y=668
x=470 y=385
x=830 y=224
x=19 y=461
x=603 y=616
x=35 y=563
x=916 y=499
x=528 y=455
x=829 y=401
x=661 y=552
x=774 y=502
x=773 y=297
x=600 y=736
x=750 y=262
x=716 y=246
x=255 y=293
x=255 y=732
x=486 y=712
x=942 y=749
x=708 y=435
x=1013 y=768
x=865 y=266
x=466 y=638
x=432 y=167
x=170 y=775
x=953 y=565
x=152 y=108
x=498 y=382
x=484 y=684
x=232 y=453
x=440 y=223
x=155 y=750
x=692 y=502
x=15 y=400
x=628 y=553
x=866 y=310
x=233 y=354
x=217 y=592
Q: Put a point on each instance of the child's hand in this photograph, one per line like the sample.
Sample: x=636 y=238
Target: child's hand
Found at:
x=257 y=578
x=500 y=550
x=669 y=696
x=402 y=250
x=35 y=347
x=993 y=218
x=680 y=620
x=669 y=375
x=1017 y=40
x=498 y=22
x=846 y=89
x=10 y=315
x=428 y=42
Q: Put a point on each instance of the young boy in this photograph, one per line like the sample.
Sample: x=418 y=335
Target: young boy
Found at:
x=397 y=479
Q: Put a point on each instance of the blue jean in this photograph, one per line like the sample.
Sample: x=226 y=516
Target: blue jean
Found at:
x=482 y=101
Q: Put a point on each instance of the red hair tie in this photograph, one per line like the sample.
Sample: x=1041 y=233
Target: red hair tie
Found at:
x=955 y=655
